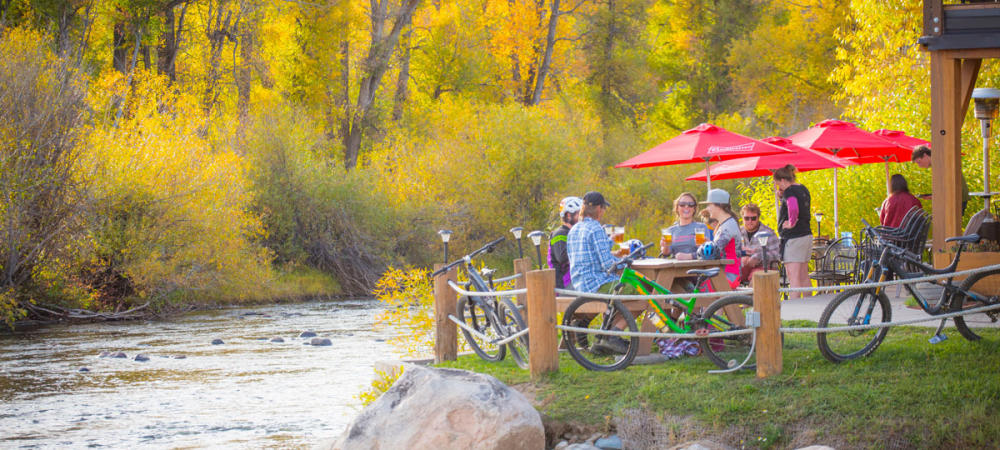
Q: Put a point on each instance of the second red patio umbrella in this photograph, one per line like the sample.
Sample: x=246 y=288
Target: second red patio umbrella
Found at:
x=846 y=140
x=703 y=143
x=802 y=158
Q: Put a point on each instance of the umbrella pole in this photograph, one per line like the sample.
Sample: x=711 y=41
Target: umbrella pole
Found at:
x=708 y=177
x=836 y=218
x=888 y=191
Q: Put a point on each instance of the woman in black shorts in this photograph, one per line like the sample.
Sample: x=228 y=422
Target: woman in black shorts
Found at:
x=793 y=227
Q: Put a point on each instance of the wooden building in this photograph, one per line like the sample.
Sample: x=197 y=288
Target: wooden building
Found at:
x=958 y=37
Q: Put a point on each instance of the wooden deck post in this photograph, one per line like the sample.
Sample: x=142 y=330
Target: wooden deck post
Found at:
x=946 y=140
x=765 y=301
x=445 y=304
x=543 y=345
x=521 y=266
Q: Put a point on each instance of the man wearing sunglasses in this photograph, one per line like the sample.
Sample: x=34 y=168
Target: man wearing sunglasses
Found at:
x=752 y=231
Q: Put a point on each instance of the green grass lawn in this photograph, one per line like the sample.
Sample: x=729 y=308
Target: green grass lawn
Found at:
x=907 y=394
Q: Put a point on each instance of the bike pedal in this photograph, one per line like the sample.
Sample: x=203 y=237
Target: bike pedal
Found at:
x=938 y=338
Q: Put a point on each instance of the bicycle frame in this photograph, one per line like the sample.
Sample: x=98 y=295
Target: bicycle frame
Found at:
x=645 y=286
x=892 y=262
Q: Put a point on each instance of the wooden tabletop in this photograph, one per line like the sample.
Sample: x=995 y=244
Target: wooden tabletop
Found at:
x=665 y=263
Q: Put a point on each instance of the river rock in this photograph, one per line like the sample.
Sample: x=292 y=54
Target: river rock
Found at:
x=217 y=342
x=320 y=342
x=445 y=408
x=180 y=357
x=141 y=357
x=307 y=334
x=277 y=339
x=84 y=369
x=118 y=355
x=104 y=354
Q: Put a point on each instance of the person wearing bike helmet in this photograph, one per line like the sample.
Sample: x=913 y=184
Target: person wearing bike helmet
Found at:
x=569 y=209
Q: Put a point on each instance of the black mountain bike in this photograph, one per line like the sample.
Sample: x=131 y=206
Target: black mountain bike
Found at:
x=870 y=306
x=493 y=318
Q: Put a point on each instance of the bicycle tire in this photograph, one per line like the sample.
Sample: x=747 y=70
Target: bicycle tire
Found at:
x=843 y=346
x=983 y=287
x=513 y=322
x=726 y=352
x=483 y=320
x=584 y=348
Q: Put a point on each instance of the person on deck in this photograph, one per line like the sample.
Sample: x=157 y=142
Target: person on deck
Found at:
x=793 y=226
x=569 y=209
x=899 y=202
x=590 y=259
x=727 y=237
x=754 y=253
x=921 y=156
x=683 y=231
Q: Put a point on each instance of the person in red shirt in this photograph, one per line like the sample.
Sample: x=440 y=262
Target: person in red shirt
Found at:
x=898 y=203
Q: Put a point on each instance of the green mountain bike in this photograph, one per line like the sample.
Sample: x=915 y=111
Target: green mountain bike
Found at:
x=671 y=315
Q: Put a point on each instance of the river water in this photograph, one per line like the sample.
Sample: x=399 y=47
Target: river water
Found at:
x=248 y=392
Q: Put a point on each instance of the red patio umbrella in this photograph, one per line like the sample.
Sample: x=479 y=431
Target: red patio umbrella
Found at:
x=846 y=140
x=703 y=143
x=802 y=158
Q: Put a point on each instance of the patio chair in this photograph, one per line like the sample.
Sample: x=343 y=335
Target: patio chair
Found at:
x=838 y=264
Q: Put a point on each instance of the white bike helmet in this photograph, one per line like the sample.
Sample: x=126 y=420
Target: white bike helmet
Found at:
x=570 y=205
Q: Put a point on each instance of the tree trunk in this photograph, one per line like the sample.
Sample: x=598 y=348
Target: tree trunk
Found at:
x=217 y=31
x=403 y=82
x=119 y=42
x=375 y=65
x=166 y=53
x=244 y=71
x=550 y=43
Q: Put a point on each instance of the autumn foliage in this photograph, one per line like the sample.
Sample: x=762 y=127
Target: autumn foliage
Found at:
x=184 y=151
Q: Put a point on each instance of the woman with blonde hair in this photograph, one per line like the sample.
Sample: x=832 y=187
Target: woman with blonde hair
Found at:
x=682 y=245
x=793 y=227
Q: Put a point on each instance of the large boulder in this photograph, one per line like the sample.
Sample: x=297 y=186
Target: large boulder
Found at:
x=444 y=409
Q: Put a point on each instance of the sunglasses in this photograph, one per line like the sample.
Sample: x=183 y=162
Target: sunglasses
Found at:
x=688 y=204
x=750 y=218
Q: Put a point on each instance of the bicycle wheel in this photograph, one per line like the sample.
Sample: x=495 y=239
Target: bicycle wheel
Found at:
x=591 y=350
x=981 y=289
x=852 y=308
x=512 y=323
x=726 y=314
x=479 y=316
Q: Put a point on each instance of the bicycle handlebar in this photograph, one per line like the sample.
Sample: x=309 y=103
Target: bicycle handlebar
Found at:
x=486 y=248
x=628 y=260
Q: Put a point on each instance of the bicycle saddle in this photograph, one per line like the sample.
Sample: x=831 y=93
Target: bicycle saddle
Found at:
x=707 y=273
x=970 y=239
x=487 y=272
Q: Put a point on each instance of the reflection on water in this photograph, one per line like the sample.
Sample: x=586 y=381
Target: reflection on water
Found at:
x=247 y=392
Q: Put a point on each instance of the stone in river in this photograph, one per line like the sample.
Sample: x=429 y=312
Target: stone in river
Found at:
x=307 y=334
x=105 y=354
x=320 y=342
x=118 y=355
x=217 y=342
x=141 y=357
x=84 y=369
x=277 y=339
x=180 y=357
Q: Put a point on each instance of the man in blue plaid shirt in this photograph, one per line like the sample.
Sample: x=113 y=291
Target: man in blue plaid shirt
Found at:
x=589 y=247
x=590 y=258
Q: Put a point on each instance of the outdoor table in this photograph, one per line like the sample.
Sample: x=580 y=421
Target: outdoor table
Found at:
x=671 y=274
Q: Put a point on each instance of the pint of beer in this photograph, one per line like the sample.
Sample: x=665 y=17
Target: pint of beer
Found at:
x=699 y=237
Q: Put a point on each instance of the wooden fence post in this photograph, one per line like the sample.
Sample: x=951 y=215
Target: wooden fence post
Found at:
x=765 y=301
x=445 y=304
x=543 y=346
x=521 y=266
